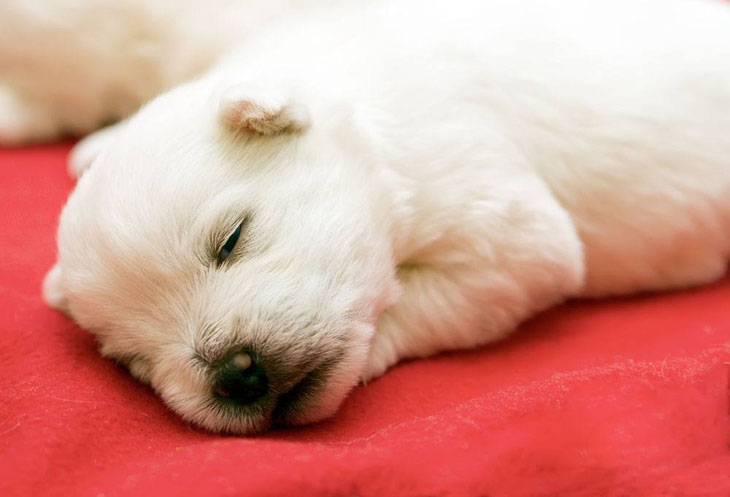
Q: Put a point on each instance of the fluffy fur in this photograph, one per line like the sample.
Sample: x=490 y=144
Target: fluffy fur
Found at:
x=71 y=66
x=413 y=178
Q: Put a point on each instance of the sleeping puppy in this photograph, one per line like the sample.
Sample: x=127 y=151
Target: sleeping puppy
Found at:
x=391 y=181
x=70 y=66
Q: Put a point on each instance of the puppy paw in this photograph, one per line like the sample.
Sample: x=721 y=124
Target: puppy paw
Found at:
x=21 y=122
x=374 y=369
x=381 y=357
x=54 y=294
x=88 y=149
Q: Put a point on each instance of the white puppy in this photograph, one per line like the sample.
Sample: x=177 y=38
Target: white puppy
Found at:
x=392 y=181
x=70 y=66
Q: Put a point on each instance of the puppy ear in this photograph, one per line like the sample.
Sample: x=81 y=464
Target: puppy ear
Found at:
x=54 y=293
x=259 y=112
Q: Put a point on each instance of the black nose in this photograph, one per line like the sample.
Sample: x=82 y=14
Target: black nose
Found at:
x=241 y=379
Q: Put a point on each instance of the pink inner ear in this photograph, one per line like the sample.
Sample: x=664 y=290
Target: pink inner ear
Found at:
x=237 y=113
x=264 y=116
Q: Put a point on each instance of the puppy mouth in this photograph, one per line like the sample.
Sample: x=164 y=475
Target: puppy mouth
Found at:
x=299 y=404
x=302 y=397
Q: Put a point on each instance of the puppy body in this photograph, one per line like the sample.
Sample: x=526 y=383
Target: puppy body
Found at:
x=71 y=66
x=417 y=179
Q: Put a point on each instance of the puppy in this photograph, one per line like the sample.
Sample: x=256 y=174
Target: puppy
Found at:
x=70 y=66
x=394 y=180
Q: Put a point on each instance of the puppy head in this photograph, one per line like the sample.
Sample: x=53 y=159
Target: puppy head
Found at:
x=229 y=250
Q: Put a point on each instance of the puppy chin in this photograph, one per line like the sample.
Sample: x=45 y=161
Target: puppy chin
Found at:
x=209 y=413
x=321 y=393
x=220 y=416
x=316 y=397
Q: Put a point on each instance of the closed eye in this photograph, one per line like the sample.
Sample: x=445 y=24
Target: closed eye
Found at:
x=230 y=244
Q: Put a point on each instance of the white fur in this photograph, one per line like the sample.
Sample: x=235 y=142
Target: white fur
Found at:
x=463 y=165
x=68 y=67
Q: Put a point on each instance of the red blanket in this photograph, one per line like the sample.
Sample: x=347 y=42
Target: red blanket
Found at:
x=615 y=398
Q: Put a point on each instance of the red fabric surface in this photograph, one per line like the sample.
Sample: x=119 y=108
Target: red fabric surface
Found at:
x=616 y=398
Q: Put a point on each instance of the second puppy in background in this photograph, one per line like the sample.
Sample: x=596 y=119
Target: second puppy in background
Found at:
x=67 y=67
